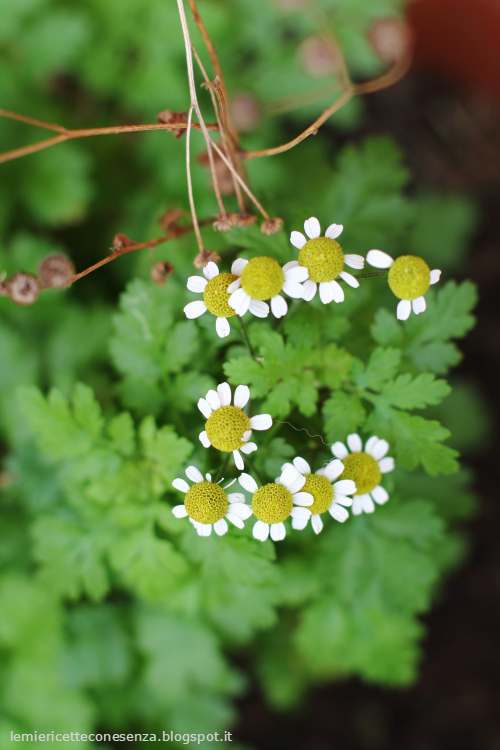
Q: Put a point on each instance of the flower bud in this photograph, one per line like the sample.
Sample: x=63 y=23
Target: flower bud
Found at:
x=23 y=288
x=55 y=271
x=318 y=56
x=391 y=39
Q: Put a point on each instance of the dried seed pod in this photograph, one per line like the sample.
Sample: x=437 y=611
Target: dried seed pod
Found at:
x=23 y=288
x=169 y=220
x=245 y=111
x=120 y=241
x=55 y=271
x=391 y=39
x=272 y=226
x=222 y=223
x=243 y=220
x=204 y=257
x=319 y=57
x=173 y=118
x=161 y=271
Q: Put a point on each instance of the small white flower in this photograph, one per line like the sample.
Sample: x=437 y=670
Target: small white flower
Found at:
x=260 y=279
x=207 y=504
x=365 y=468
x=328 y=494
x=228 y=428
x=324 y=259
x=275 y=502
x=409 y=278
x=215 y=297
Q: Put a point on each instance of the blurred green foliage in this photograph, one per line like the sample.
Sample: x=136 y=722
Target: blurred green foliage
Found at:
x=113 y=614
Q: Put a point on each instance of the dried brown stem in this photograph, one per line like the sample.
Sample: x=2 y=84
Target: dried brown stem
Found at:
x=242 y=183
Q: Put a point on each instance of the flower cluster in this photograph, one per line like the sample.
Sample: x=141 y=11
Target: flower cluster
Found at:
x=252 y=284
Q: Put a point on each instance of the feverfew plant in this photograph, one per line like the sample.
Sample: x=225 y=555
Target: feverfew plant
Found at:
x=125 y=586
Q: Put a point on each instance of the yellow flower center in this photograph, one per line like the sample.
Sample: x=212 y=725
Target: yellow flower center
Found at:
x=206 y=502
x=216 y=296
x=262 y=278
x=225 y=427
x=272 y=503
x=321 y=490
x=323 y=258
x=363 y=470
x=409 y=277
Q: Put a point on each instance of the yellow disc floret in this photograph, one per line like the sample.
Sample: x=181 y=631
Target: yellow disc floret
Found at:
x=409 y=277
x=363 y=470
x=323 y=258
x=225 y=427
x=321 y=490
x=206 y=502
x=262 y=278
x=272 y=503
x=216 y=296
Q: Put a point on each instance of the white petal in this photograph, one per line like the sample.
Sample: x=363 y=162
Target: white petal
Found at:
x=204 y=407
x=297 y=274
x=333 y=470
x=208 y=477
x=180 y=484
x=299 y=512
x=196 y=284
x=193 y=474
x=293 y=289
x=354 y=443
x=354 y=261
x=370 y=444
x=240 y=302
x=326 y=292
x=240 y=510
x=220 y=527
x=339 y=450
x=299 y=523
x=379 y=259
x=248 y=483
x=380 y=495
x=298 y=240
x=279 y=306
x=288 y=475
x=241 y=396
x=235 y=520
x=301 y=465
x=302 y=498
x=238 y=266
x=247 y=435
x=261 y=531
x=435 y=276
x=222 y=327
x=338 y=513
x=334 y=231
x=338 y=292
x=386 y=464
x=211 y=270
x=357 y=507
x=367 y=503
x=278 y=531
x=342 y=499
x=349 y=279
x=261 y=422
x=204 y=439
x=220 y=480
x=289 y=265
x=180 y=511
x=239 y=463
x=317 y=523
x=224 y=392
x=419 y=305
x=380 y=449
x=297 y=485
x=312 y=228
x=233 y=286
x=195 y=309
x=259 y=308
x=213 y=399
x=248 y=448
x=403 y=309
x=236 y=497
x=345 y=487
x=309 y=289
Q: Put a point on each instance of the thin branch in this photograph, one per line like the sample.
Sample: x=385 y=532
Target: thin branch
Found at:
x=242 y=183
x=190 y=184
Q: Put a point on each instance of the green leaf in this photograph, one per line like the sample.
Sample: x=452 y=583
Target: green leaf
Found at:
x=382 y=366
x=344 y=414
x=165 y=451
x=406 y=392
x=386 y=330
x=121 y=430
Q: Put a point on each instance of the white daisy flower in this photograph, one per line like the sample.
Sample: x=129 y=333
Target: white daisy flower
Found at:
x=206 y=504
x=365 y=468
x=275 y=502
x=228 y=428
x=262 y=279
x=409 y=278
x=324 y=259
x=328 y=494
x=215 y=297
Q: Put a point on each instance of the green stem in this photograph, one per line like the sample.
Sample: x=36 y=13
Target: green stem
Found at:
x=373 y=275
x=223 y=468
x=245 y=337
x=255 y=471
